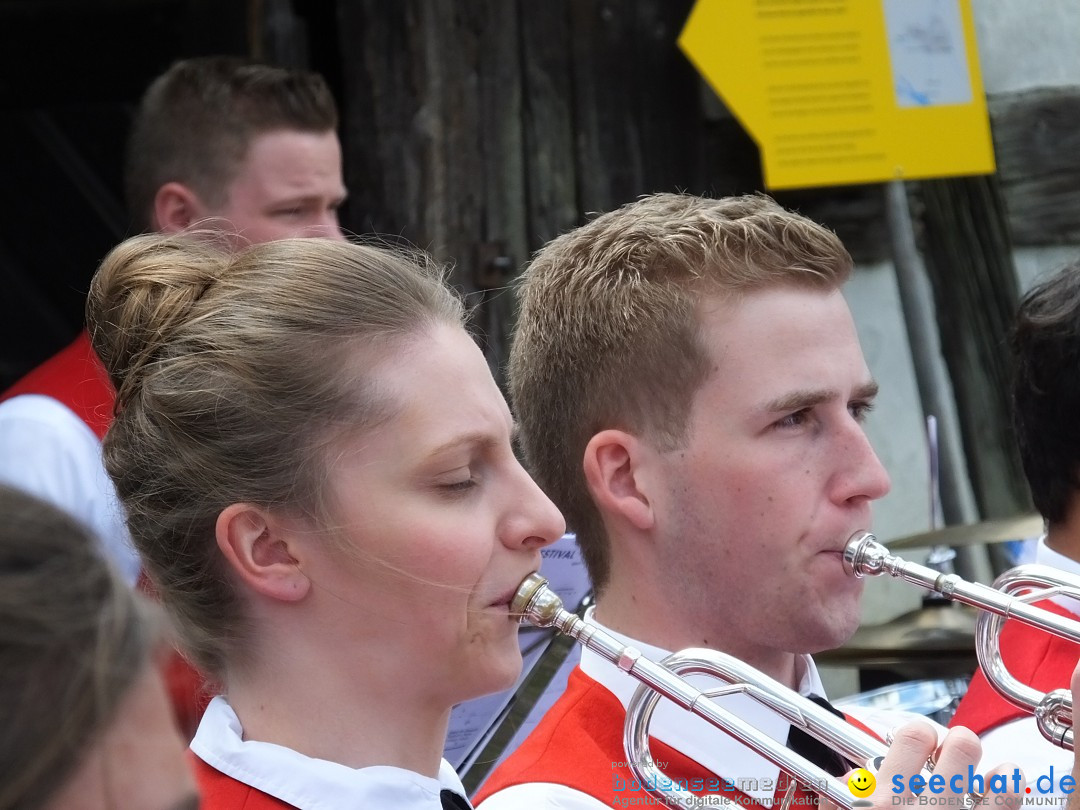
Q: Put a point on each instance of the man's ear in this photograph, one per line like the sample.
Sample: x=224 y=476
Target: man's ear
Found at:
x=262 y=552
x=176 y=208
x=615 y=474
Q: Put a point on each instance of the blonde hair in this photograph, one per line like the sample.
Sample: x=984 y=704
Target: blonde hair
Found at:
x=73 y=641
x=607 y=333
x=234 y=375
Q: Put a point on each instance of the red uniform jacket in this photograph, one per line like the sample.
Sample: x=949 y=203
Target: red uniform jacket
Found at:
x=221 y=792
x=75 y=377
x=579 y=744
x=1039 y=659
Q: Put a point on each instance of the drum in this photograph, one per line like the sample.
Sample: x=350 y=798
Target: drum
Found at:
x=935 y=699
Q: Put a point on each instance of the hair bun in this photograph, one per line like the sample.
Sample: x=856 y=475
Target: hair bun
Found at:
x=145 y=290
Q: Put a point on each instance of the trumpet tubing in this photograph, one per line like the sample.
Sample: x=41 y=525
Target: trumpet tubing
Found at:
x=864 y=556
x=540 y=606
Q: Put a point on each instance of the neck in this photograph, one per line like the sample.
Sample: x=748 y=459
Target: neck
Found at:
x=1065 y=540
x=1064 y=536
x=629 y=611
x=351 y=715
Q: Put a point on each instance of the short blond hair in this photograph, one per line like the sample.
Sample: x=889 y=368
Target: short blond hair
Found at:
x=607 y=333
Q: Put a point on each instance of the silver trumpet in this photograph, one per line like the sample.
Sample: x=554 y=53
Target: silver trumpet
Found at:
x=864 y=556
x=537 y=604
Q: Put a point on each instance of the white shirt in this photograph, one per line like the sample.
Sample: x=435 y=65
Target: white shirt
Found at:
x=1020 y=741
x=308 y=783
x=687 y=733
x=48 y=451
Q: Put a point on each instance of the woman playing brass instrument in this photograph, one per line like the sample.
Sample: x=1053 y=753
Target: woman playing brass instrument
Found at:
x=317 y=470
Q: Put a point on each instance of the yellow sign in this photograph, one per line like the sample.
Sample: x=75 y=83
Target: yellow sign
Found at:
x=848 y=91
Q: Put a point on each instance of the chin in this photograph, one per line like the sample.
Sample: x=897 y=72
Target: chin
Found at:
x=835 y=632
x=507 y=667
x=495 y=671
x=840 y=633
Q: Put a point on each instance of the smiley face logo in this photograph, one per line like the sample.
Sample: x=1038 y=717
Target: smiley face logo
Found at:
x=861 y=783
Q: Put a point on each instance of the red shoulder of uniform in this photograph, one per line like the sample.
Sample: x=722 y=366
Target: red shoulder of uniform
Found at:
x=579 y=744
x=1039 y=659
x=221 y=792
x=75 y=377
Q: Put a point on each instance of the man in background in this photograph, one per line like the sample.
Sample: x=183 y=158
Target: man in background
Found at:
x=1046 y=402
x=246 y=150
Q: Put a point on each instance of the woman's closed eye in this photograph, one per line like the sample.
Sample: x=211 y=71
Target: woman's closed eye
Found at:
x=457 y=482
x=461 y=486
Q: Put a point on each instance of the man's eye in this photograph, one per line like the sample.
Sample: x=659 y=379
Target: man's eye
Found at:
x=793 y=419
x=290 y=212
x=860 y=410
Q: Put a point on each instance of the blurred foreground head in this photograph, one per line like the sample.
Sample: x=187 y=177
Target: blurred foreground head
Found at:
x=85 y=721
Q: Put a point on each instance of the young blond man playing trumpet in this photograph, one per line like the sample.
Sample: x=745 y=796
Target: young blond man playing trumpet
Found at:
x=691 y=392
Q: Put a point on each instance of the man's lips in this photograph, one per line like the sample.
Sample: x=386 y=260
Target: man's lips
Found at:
x=839 y=551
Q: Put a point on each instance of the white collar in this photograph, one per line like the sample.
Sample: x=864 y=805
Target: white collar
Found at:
x=697 y=738
x=307 y=783
x=1044 y=555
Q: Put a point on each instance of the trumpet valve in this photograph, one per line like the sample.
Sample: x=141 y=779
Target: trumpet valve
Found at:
x=1053 y=716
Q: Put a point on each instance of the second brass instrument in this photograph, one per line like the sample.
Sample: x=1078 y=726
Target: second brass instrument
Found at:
x=864 y=556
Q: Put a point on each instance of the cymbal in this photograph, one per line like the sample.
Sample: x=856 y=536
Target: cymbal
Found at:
x=989 y=531
x=931 y=633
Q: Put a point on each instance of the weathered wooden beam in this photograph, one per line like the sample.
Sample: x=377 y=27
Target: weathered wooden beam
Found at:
x=433 y=125
x=549 y=128
x=1037 y=144
x=637 y=118
x=969 y=260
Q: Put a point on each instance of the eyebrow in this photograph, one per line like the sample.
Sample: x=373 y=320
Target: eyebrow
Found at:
x=481 y=439
x=797 y=400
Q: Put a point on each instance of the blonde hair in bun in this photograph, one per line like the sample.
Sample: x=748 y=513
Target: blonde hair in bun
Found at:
x=235 y=373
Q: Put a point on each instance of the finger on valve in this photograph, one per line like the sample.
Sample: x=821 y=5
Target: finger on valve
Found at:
x=913 y=744
x=957 y=755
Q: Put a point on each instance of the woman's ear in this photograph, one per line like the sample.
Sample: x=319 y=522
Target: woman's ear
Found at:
x=615 y=473
x=263 y=551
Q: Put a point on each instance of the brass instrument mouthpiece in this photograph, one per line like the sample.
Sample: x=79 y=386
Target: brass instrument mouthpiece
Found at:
x=536 y=603
x=864 y=555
